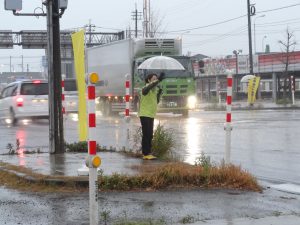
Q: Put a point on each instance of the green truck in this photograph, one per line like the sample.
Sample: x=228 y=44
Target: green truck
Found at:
x=117 y=60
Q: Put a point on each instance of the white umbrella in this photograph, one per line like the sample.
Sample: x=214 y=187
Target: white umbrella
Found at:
x=246 y=78
x=161 y=63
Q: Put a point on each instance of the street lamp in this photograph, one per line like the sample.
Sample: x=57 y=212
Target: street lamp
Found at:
x=236 y=53
x=235 y=84
x=262 y=43
x=254 y=33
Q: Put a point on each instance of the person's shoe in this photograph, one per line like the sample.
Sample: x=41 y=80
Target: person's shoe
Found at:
x=149 y=157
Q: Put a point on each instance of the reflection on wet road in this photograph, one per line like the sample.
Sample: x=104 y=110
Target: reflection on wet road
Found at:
x=265 y=142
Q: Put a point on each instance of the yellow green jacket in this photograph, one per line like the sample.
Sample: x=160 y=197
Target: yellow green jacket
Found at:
x=149 y=98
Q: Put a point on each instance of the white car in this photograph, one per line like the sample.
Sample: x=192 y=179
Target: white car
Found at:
x=24 y=99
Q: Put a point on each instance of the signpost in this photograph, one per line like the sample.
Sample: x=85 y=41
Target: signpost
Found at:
x=127 y=108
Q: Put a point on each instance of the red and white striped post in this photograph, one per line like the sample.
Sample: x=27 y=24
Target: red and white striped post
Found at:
x=228 y=127
x=127 y=108
x=93 y=161
x=127 y=96
x=293 y=90
x=63 y=97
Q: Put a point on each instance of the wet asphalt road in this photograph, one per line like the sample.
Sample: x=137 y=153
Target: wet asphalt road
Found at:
x=171 y=207
x=265 y=142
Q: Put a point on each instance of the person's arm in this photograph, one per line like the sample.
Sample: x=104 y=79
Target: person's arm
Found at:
x=159 y=93
x=148 y=87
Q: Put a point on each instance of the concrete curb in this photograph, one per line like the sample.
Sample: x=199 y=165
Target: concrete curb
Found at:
x=80 y=181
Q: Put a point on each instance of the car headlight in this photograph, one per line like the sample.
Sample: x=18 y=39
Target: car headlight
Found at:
x=192 y=100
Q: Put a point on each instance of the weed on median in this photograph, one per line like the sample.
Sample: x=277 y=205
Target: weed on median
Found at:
x=181 y=175
x=151 y=177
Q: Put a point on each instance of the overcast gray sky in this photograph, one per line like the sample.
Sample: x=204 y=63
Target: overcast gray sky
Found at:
x=190 y=19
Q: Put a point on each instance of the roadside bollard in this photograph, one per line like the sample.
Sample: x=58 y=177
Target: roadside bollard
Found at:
x=93 y=161
x=228 y=127
x=293 y=89
x=219 y=92
x=127 y=109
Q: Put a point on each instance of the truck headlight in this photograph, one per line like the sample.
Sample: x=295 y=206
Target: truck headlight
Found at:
x=191 y=102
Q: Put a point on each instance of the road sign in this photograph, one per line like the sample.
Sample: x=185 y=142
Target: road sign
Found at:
x=6 y=39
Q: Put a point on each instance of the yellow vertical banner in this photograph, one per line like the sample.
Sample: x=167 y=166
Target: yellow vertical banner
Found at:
x=253 y=85
x=257 y=82
x=78 y=49
x=250 y=88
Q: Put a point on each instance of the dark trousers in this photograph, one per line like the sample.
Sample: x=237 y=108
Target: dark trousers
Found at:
x=147 y=130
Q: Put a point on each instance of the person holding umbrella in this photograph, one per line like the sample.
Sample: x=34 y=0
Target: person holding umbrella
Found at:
x=149 y=98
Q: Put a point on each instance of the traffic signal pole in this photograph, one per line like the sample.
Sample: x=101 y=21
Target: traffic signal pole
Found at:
x=58 y=115
x=50 y=74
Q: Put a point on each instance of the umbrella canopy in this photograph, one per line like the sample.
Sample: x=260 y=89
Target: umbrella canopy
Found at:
x=247 y=78
x=161 y=63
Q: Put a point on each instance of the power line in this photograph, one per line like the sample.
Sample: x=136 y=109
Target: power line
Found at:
x=109 y=28
x=223 y=36
x=277 y=23
x=209 y=25
x=283 y=7
x=232 y=19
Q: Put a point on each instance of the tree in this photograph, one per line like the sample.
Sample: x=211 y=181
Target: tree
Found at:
x=287 y=47
x=156 y=24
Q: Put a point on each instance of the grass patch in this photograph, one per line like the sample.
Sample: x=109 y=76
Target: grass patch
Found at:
x=283 y=101
x=181 y=175
x=81 y=146
x=151 y=177
x=187 y=219
x=162 y=143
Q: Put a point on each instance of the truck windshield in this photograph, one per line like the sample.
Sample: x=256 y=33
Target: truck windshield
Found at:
x=70 y=85
x=185 y=62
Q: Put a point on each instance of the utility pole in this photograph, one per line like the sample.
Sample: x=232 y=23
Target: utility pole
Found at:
x=136 y=16
x=146 y=13
x=251 y=12
x=56 y=134
x=60 y=143
x=145 y=19
x=149 y=20
x=90 y=27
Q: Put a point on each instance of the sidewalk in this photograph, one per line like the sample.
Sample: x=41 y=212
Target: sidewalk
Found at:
x=68 y=164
